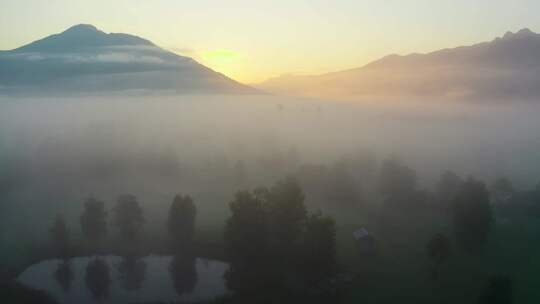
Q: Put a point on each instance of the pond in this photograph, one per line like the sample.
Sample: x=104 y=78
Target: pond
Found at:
x=114 y=279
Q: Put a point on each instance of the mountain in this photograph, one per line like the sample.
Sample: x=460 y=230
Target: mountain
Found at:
x=506 y=68
x=83 y=59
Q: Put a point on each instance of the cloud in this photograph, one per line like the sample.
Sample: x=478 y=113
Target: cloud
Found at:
x=185 y=51
x=111 y=57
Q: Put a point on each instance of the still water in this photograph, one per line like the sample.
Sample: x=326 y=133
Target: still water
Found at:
x=113 y=279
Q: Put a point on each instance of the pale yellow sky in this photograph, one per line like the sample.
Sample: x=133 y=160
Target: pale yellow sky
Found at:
x=251 y=41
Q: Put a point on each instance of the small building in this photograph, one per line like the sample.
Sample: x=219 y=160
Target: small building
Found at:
x=365 y=241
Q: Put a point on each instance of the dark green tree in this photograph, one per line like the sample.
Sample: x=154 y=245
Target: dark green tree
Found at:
x=94 y=222
x=246 y=243
x=128 y=218
x=502 y=191
x=534 y=205
x=60 y=237
x=472 y=215
x=448 y=187
x=401 y=200
x=271 y=243
x=397 y=186
x=342 y=189
x=318 y=248
x=498 y=291
x=246 y=230
x=438 y=249
x=286 y=213
x=181 y=221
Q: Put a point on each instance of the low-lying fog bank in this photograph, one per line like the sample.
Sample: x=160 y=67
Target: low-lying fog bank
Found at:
x=56 y=152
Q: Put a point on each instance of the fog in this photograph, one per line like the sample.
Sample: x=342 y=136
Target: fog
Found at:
x=57 y=152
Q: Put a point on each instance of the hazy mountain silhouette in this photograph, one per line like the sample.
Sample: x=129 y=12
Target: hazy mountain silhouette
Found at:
x=505 y=68
x=85 y=59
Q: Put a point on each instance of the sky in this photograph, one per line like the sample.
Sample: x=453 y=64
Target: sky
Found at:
x=251 y=41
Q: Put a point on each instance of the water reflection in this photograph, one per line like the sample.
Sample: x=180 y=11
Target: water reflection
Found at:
x=183 y=273
x=64 y=275
x=98 y=279
x=132 y=271
x=114 y=279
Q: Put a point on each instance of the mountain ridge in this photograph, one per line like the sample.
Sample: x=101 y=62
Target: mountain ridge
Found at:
x=82 y=35
x=504 y=67
x=84 y=59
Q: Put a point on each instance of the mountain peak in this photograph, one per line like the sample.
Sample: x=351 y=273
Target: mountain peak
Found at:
x=504 y=69
x=83 y=58
x=82 y=36
x=523 y=33
x=81 y=28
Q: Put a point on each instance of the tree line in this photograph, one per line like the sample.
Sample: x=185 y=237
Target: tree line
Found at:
x=271 y=241
x=128 y=219
x=278 y=249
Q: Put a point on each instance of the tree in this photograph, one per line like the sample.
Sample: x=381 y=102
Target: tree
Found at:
x=502 y=191
x=314 y=179
x=271 y=242
x=472 y=215
x=181 y=221
x=246 y=229
x=246 y=245
x=397 y=185
x=343 y=190
x=60 y=237
x=94 y=221
x=498 y=291
x=128 y=217
x=286 y=213
x=401 y=200
x=319 y=248
x=534 y=207
x=448 y=187
x=438 y=249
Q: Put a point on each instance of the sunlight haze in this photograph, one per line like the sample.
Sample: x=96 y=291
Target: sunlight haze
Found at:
x=251 y=41
x=269 y=151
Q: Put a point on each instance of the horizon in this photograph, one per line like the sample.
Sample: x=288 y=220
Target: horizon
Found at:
x=241 y=152
x=368 y=30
